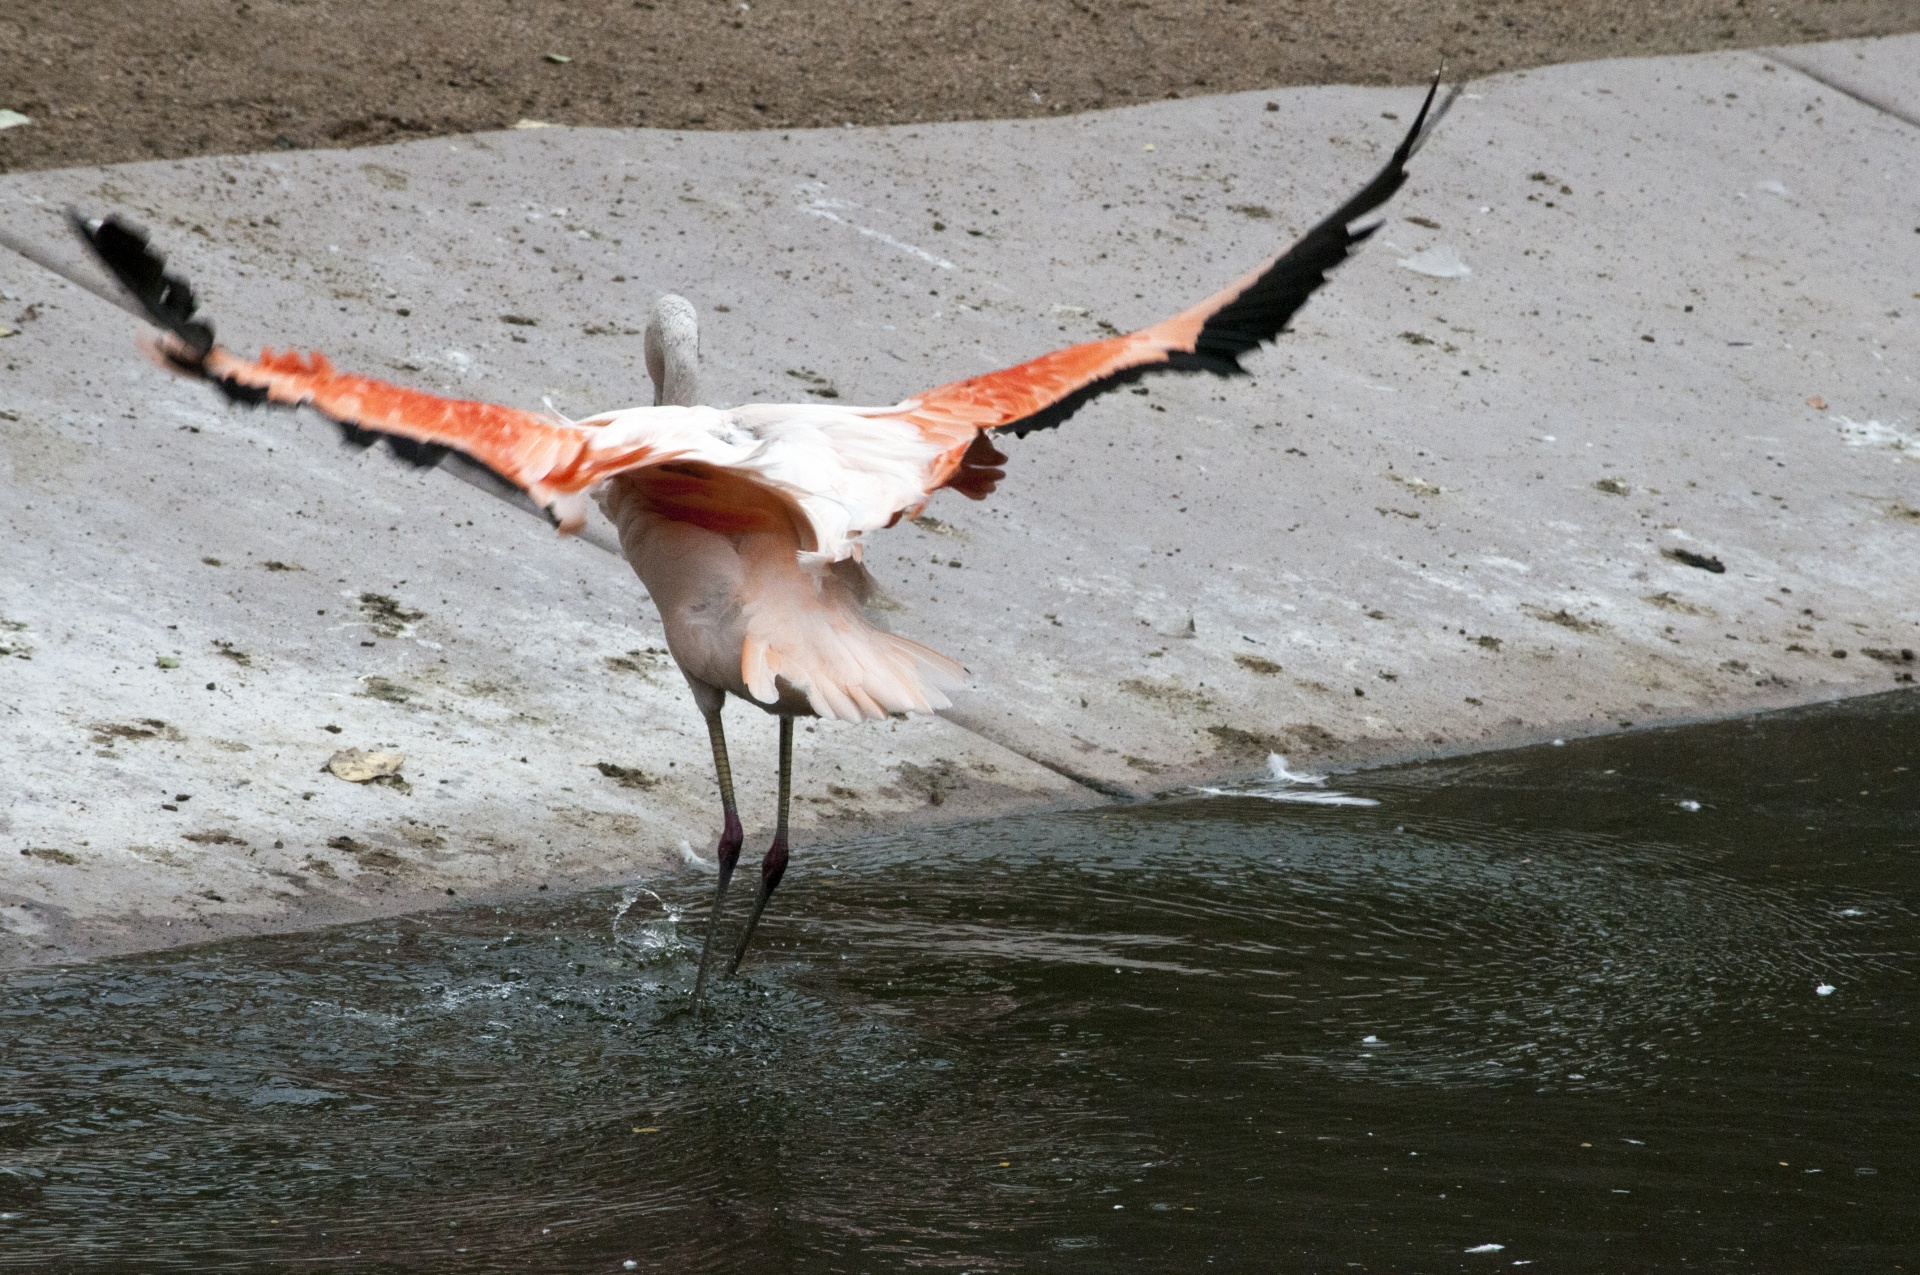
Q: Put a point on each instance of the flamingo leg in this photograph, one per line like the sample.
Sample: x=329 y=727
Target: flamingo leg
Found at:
x=774 y=866
x=727 y=853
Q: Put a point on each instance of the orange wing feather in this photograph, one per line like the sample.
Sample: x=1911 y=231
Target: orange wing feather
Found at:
x=522 y=447
x=997 y=400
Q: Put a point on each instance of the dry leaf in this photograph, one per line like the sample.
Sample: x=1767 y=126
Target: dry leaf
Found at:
x=357 y=767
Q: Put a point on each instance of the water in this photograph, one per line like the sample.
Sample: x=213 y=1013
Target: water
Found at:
x=1529 y=1000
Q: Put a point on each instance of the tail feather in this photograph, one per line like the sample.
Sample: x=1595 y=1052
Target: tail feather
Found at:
x=805 y=627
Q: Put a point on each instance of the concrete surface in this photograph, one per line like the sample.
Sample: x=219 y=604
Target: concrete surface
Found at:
x=1881 y=74
x=1439 y=517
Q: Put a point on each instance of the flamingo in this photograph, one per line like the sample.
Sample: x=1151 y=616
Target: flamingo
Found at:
x=746 y=524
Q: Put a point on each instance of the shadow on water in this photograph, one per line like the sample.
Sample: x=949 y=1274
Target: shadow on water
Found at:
x=1530 y=1000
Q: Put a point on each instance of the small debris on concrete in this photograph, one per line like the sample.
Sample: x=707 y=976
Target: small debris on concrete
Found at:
x=13 y=119
x=1565 y=619
x=50 y=854
x=165 y=661
x=627 y=776
x=1688 y=805
x=391 y=692
x=144 y=728
x=18 y=648
x=936 y=782
x=1666 y=601
x=638 y=661
x=385 y=615
x=358 y=767
x=1613 y=487
x=1825 y=989
x=365 y=855
x=1817 y=403
x=1439 y=262
x=525 y=124
x=558 y=59
x=1702 y=561
x=218 y=837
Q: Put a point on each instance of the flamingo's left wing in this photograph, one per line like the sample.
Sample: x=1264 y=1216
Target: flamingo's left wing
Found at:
x=1209 y=337
x=553 y=461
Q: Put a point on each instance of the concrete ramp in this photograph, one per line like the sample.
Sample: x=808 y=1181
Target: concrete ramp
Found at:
x=1613 y=422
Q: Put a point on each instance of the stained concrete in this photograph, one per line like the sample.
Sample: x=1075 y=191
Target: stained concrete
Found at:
x=1443 y=514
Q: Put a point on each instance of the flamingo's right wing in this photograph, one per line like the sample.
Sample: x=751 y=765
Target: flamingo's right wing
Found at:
x=553 y=461
x=1208 y=337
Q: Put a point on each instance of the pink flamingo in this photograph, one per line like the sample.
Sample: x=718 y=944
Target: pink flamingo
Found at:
x=745 y=524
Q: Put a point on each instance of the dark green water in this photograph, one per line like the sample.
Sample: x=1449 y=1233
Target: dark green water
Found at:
x=1528 y=999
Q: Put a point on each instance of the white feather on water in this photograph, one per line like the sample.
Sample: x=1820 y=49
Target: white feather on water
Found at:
x=1290 y=785
x=1277 y=767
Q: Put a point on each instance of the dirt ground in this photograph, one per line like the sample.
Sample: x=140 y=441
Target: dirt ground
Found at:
x=110 y=80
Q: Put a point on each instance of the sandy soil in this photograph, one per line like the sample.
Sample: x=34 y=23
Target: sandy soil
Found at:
x=111 y=80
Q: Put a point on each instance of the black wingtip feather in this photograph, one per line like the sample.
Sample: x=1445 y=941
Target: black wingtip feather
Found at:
x=1260 y=313
x=169 y=302
x=415 y=453
x=410 y=451
x=355 y=437
x=1179 y=361
x=1264 y=308
x=167 y=299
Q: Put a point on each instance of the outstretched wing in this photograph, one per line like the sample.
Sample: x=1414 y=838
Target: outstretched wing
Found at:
x=552 y=461
x=1209 y=337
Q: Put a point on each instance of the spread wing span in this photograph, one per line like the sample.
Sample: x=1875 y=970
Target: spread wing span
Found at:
x=828 y=473
x=1209 y=337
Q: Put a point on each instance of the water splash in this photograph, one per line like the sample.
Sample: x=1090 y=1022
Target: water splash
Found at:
x=651 y=935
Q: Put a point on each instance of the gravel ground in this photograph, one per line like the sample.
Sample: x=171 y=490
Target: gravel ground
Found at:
x=106 y=80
